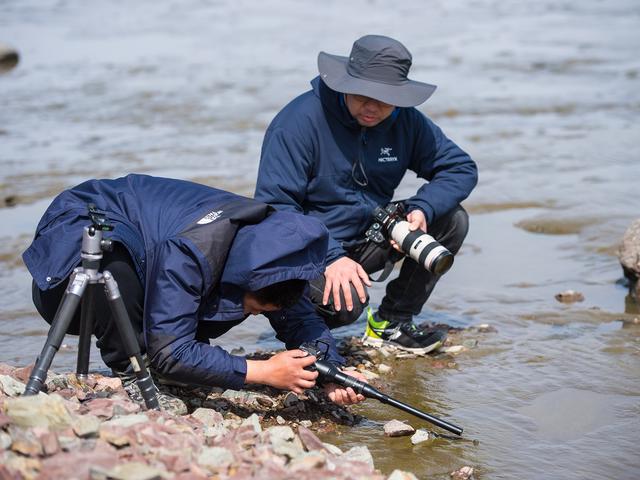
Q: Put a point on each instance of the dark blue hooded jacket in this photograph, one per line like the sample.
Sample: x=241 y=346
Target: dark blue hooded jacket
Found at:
x=310 y=149
x=197 y=250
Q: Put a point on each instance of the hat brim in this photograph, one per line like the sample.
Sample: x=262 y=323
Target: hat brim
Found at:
x=333 y=72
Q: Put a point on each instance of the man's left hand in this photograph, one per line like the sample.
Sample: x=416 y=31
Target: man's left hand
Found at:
x=345 y=396
x=417 y=221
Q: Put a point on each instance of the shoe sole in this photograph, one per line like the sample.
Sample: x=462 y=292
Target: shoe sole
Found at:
x=378 y=342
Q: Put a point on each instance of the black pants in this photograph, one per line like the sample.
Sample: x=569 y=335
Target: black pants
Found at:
x=119 y=263
x=406 y=295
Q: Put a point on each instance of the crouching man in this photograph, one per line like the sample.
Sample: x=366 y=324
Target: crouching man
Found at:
x=191 y=262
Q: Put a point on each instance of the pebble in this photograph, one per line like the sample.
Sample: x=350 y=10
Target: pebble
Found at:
x=11 y=387
x=382 y=368
x=569 y=296
x=454 y=349
x=464 y=473
x=401 y=475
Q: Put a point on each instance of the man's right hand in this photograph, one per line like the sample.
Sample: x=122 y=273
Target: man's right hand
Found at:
x=340 y=275
x=285 y=370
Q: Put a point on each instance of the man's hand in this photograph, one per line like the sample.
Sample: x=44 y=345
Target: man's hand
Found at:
x=417 y=221
x=338 y=276
x=285 y=370
x=344 y=396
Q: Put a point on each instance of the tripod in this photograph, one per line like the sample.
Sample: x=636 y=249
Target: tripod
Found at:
x=81 y=289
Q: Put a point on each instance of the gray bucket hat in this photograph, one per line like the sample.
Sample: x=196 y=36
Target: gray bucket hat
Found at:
x=377 y=68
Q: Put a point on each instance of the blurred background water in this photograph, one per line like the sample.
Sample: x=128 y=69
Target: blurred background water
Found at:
x=544 y=95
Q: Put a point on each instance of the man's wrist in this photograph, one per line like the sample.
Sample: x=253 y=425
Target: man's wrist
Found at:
x=255 y=371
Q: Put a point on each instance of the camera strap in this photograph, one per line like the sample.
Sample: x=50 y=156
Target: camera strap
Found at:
x=388 y=268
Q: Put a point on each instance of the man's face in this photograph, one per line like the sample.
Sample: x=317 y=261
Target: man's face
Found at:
x=367 y=111
x=253 y=307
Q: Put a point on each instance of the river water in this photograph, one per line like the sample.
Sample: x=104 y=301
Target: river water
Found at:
x=544 y=95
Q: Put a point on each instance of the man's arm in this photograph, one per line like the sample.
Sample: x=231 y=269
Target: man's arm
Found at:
x=301 y=324
x=171 y=321
x=451 y=172
x=177 y=283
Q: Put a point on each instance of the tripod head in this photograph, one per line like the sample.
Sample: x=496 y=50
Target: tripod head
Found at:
x=99 y=219
x=93 y=243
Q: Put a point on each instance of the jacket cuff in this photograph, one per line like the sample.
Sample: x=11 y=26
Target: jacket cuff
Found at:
x=418 y=204
x=238 y=376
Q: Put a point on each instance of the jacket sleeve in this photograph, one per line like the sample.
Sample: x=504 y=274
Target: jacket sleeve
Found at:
x=451 y=173
x=176 y=283
x=301 y=324
x=285 y=170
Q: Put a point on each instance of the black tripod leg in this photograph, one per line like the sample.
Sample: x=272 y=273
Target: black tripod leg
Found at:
x=59 y=326
x=87 y=315
x=128 y=337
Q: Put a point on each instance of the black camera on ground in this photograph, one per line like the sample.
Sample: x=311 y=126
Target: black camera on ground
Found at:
x=390 y=224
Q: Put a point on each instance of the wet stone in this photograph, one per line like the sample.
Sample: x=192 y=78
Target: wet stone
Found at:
x=484 y=328
x=396 y=428
x=422 y=436
x=359 y=453
x=382 y=368
x=464 y=473
x=369 y=375
x=401 y=475
x=290 y=399
x=280 y=420
x=470 y=343
x=569 y=296
x=453 y=349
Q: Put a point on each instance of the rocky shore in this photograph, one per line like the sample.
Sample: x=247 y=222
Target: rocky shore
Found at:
x=91 y=430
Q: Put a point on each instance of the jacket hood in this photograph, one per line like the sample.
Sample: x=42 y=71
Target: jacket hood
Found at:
x=284 y=246
x=334 y=102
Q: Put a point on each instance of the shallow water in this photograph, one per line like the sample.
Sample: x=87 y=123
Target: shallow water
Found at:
x=545 y=97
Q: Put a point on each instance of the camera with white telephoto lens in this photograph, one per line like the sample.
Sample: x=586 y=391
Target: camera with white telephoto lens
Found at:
x=390 y=223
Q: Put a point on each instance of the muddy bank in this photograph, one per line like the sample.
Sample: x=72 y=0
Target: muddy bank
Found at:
x=94 y=430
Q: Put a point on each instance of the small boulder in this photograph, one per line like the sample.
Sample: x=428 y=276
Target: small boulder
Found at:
x=396 y=428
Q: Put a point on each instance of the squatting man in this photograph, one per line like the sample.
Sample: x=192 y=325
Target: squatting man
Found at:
x=340 y=150
x=191 y=262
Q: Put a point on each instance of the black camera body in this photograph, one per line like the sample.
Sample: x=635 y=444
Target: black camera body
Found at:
x=390 y=224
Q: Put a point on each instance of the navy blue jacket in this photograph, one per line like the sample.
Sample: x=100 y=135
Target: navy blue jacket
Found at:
x=309 y=152
x=197 y=250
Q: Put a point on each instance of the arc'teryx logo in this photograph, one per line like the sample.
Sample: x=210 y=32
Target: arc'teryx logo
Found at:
x=209 y=217
x=385 y=155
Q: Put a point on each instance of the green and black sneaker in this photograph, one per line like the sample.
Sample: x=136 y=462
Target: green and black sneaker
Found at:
x=402 y=335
